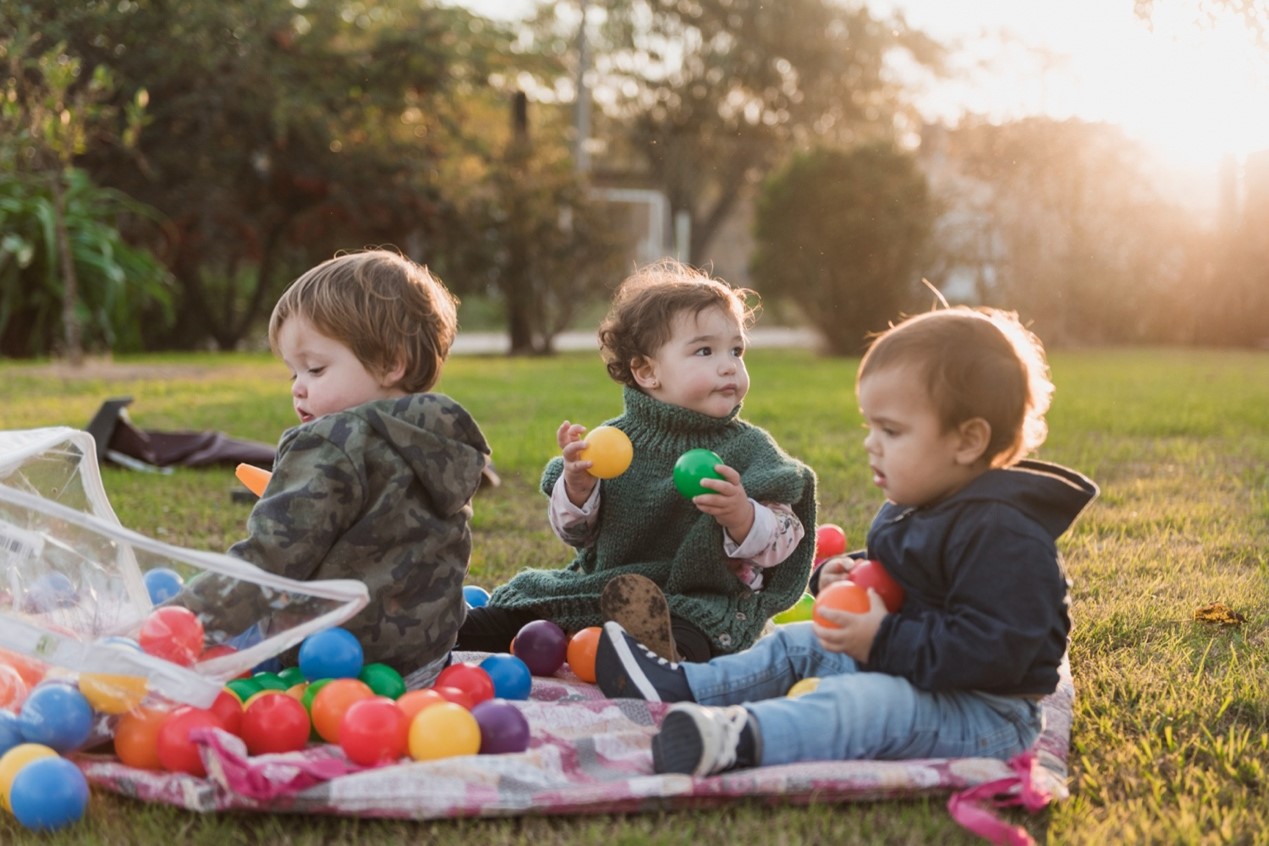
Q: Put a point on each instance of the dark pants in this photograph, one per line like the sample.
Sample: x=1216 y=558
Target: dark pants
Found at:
x=491 y=629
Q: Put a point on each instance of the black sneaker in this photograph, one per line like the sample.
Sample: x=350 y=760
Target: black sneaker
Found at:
x=626 y=669
x=699 y=741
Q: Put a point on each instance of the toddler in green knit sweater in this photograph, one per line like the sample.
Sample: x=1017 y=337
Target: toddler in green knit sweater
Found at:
x=696 y=577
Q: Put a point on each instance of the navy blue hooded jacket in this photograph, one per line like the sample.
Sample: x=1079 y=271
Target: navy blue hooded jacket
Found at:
x=987 y=606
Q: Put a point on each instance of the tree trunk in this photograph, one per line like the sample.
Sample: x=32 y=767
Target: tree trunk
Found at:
x=70 y=282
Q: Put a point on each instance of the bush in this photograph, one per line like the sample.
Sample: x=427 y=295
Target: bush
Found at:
x=118 y=283
x=841 y=234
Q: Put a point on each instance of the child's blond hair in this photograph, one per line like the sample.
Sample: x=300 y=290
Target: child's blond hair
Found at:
x=976 y=362
x=640 y=319
x=384 y=307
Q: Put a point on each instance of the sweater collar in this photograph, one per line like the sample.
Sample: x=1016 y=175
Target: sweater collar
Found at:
x=649 y=421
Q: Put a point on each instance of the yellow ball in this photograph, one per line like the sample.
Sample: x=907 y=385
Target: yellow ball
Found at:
x=609 y=451
x=444 y=730
x=803 y=687
x=12 y=763
x=112 y=694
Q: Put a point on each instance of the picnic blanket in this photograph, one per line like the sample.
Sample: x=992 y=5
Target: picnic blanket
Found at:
x=587 y=755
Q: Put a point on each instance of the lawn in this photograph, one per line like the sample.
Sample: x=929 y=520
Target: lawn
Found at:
x=1170 y=742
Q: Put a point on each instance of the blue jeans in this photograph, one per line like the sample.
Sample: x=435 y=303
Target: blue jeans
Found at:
x=856 y=714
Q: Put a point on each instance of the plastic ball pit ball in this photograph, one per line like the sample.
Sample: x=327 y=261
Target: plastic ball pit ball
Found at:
x=475 y=596
x=609 y=451
x=49 y=794
x=581 y=653
x=110 y=693
x=469 y=678
x=174 y=634
x=14 y=760
x=56 y=715
x=374 y=731
x=383 y=680
x=830 y=540
x=137 y=737
x=692 y=467
x=177 y=751
x=503 y=728
x=800 y=611
x=48 y=593
x=332 y=702
x=443 y=731
x=542 y=646
x=870 y=574
x=162 y=583
x=841 y=596
x=331 y=654
x=10 y=731
x=275 y=723
x=511 y=676
x=803 y=687
x=413 y=701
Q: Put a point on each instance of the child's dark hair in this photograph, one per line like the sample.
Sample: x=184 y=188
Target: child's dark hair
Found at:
x=977 y=362
x=384 y=307
x=639 y=322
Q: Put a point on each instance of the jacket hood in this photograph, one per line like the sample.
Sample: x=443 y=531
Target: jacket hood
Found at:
x=1050 y=494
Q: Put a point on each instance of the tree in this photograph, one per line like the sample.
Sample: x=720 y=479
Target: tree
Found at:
x=1063 y=221
x=60 y=247
x=841 y=234
x=280 y=133
x=707 y=97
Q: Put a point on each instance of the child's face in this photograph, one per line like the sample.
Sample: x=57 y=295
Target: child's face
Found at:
x=701 y=367
x=326 y=376
x=914 y=460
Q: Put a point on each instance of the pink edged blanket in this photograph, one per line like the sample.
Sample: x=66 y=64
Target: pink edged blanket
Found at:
x=588 y=754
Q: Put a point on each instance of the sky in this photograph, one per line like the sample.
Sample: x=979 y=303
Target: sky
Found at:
x=1191 y=93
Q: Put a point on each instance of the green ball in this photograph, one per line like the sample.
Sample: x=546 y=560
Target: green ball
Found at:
x=292 y=676
x=244 y=689
x=270 y=681
x=383 y=680
x=693 y=466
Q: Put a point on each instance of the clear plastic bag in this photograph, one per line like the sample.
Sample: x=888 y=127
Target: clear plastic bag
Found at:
x=73 y=600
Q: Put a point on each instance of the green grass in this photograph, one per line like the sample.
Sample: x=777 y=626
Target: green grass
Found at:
x=1171 y=733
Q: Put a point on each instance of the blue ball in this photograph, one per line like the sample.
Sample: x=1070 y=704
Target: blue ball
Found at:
x=50 y=592
x=163 y=584
x=511 y=676
x=331 y=654
x=476 y=596
x=10 y=731
x=56 y=715
x=48 y=793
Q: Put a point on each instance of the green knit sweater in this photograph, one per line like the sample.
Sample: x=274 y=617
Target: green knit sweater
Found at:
x=645 y=526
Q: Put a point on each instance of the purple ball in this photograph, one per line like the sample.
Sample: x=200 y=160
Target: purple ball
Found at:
x=542 y=646
x=502 y=727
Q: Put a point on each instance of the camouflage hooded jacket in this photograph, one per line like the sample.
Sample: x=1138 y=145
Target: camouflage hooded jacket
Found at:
x=380 y=493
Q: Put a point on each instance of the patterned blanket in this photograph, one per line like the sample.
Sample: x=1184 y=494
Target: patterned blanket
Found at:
x=588 y=754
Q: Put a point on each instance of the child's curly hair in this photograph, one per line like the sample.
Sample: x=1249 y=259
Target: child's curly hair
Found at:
x=640 y=319
x=978 y=362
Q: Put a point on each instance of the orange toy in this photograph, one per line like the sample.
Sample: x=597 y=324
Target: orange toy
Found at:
x=840 y=596
x=255 y=478
x=581 y=653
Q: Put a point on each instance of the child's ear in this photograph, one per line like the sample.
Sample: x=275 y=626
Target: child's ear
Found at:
x=975 y=434
x=393 y=375
x=644 y=372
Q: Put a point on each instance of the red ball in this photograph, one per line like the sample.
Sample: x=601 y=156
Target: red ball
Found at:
x=174 y=634
x=275 y=722
x=542 y=645
x=176 y=751
x=374 y=731
x=830 y=540
x=456 y=695
x=468 y=677
x=840 y=596
x=870 y=574
x=333 y=701
x=229 y=709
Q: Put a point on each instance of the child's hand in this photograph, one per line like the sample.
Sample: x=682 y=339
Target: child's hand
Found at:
x=728 y=504
x=836 y=569
x=855 y=632
x=577 y=482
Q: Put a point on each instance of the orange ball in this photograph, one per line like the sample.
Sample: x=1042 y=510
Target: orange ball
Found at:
x=840 y=596
x=332 y=701
x=413 y=701
x=581 y=653
x=137 y=738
